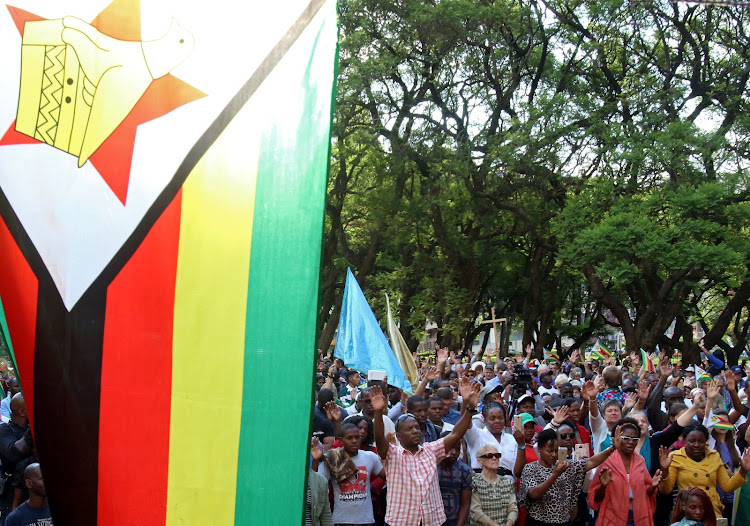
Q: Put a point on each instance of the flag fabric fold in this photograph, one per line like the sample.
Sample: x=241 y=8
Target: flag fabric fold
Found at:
x=401 y=350
x=360 y=341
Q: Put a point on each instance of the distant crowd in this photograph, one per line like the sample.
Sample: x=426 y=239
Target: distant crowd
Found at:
x=520 y=442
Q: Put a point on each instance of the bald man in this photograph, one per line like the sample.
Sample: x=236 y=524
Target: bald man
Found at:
x=15 y=445
x=13 y=389
x=35 y=510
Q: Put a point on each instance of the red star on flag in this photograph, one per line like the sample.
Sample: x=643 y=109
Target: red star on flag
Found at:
x=121 y=20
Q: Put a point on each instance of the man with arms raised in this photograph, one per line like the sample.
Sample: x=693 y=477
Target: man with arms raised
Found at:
x=413 y=491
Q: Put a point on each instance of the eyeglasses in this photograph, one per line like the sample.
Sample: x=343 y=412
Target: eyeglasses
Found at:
x=491 y=455
x=630 y=439
x=566 y=436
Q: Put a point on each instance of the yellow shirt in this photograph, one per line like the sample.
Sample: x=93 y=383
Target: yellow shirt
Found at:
x=688 y=473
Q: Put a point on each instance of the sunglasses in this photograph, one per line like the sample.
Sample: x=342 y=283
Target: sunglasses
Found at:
x=491 y=455
x=566 y=436
x=630 y=439
x=404 y=417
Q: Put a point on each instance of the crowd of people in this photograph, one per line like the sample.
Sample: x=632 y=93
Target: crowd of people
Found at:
x=23 y=497
x=516 y=441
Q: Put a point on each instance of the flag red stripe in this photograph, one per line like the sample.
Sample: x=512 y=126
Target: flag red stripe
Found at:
x=134 y=420
x=18 y=292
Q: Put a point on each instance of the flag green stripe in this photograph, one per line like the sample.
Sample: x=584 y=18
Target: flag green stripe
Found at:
x=284 y=281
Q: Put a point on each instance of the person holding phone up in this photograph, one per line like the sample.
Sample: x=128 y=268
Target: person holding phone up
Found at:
x=550 y=486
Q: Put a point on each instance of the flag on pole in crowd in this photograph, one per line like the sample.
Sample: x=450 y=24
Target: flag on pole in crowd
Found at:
x=701 y=374
x=360 y=342
x=647 y=363
x=162 y=188
x=600 y=351
x=401 y=350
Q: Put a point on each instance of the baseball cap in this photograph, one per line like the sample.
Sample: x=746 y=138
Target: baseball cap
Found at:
x=523 y=397
x=691 y=369
x=737 y=369
x=526 y=418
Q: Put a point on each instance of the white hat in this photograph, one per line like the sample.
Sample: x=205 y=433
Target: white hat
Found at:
x=691 y=369
x=477 y=365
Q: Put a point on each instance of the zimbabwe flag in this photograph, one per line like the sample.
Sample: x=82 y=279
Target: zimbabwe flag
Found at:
x=162 y=181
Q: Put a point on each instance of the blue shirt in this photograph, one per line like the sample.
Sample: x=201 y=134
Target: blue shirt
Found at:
x=452 y=482
x=452 y=417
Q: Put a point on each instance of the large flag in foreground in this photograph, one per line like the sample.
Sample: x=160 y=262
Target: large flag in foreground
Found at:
x=360 y=341
x=162 y=181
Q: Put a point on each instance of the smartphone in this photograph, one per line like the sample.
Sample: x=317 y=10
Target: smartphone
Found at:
x=720 y=521
x=518 y=422
x=375 y=375
x=562 y=454
x=581 y=451
x=703 y=356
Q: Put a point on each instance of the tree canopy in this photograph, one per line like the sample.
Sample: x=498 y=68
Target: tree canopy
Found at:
x=576 y=165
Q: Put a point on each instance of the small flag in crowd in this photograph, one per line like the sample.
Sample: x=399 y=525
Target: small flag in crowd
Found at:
x=600 y=351
x=551 y=356
x=648 y=364
x=719 y=422
x=700 y=374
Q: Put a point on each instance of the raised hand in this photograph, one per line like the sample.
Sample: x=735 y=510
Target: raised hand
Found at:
x=589 y=391
x=469 y=391
x=643 y=391
x=731 y=381
x=559 y=415
x=605 y=476
x=442 y=355
x=665 y=460
x=745 y=462
x=616 y=438
x=712 y=390
x=656 y=480
x=518 y=435
x=391 y=438
x=379 y=401
x=316 y=452
x=333 y=412
x=432 y=373
x=665 y=368
x=630 y=401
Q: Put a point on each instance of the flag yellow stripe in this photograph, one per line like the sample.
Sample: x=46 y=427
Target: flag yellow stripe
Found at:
x=209 y=329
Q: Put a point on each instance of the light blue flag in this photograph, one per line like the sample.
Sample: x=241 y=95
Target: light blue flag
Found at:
x=361 y=342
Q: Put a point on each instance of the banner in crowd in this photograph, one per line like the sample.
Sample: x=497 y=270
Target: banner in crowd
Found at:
x=162 y=183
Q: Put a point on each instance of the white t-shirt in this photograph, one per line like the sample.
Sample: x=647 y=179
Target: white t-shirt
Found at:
x=351 y=499
x=543 y=390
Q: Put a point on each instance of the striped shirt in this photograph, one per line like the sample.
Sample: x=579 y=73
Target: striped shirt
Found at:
x=413 y=496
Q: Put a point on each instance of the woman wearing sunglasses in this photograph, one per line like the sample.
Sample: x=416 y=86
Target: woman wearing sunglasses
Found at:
x=493 y=497
x=624 y=492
